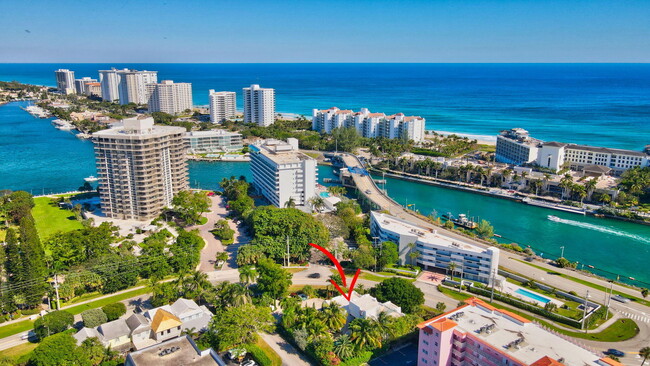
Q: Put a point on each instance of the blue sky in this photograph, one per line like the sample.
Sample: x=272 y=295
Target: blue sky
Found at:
x=325 y=31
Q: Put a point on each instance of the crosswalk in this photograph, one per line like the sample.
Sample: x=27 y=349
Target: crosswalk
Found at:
x=636 y=317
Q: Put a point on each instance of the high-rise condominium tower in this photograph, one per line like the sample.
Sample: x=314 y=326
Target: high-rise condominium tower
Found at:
x=170 y=97
x=141 y=167
x=259 y=105
x=65 y=81
x=133 y=86
x=110 y=81
x=223 y=106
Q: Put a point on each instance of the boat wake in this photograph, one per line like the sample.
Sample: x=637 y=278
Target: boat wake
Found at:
x=602 y=229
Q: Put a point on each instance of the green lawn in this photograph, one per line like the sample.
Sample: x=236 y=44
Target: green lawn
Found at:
x=586 y=283
x=108 y=300
x=15 y=328
x=51 y=219
x=19 y=351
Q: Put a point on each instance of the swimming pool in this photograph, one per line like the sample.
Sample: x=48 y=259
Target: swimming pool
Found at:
x=324 y=194
x=532 y=295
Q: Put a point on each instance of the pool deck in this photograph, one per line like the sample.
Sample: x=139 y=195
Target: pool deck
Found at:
x=511 y=289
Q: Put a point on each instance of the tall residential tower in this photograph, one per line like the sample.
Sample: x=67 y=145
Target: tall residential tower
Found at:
x=282 y=173
x=223 y=106
x=259 y=105
x=65 y=81
x=133 y=86
x=169 y=97
x=141 y=167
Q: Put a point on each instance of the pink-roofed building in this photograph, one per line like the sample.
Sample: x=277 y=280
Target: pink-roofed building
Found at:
x=478 y=334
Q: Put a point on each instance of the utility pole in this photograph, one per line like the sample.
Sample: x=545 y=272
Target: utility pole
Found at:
x=288 y=263
x=494 y=279
x=584 y=315
x=56 y=289
x=608 y=297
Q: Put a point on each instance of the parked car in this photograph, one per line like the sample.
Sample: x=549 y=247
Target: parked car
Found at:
x=620 y=298
x=303 y=297
x=249 y=363
x=615 y=352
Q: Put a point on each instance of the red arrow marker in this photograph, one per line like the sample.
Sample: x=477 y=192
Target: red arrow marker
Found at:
x=341 y=272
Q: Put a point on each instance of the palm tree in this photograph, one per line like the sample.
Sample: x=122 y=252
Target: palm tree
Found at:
x=547 y=177
x=385 y=322
x=605 y=199
x=315 y=327
x=333 y=316
x=566 y=183
x=645 y=353
x=195 y=284
x=580 y=191
x=343 y=347
x=452 y=268
x=365 y=332
x=247 y=275
x=237 y=295
x=590 y=186
x=317 y=203
x=190 y=332
x=291 y=203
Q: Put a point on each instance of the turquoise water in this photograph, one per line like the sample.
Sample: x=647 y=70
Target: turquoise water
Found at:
x=612 y=247
x=324 y=194
x=599 y=104
x=532 y=295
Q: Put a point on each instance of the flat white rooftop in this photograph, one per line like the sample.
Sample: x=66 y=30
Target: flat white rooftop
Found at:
x=396 y=225
x=281 y=152
x=211 y=133
x=502 y=329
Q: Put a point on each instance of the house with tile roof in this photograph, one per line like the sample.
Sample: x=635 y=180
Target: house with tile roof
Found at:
x=157 y=325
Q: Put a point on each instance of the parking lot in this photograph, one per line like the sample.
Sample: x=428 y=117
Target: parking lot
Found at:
x=406 y=356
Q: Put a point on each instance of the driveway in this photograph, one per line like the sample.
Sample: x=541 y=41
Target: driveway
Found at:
x=290 y=356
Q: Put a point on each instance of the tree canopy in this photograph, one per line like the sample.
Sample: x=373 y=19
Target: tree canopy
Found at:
x=188 y=206
x=239 y=325
x=400 y=292
x=273 y=280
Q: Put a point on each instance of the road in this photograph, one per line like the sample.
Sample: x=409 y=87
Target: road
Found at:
x=513 y=263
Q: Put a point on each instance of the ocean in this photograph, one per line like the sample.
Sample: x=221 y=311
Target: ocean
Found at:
x=598 y=104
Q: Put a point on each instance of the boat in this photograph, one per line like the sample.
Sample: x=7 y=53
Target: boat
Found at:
x=62 y=125
x=461 y=221
x=553 y=218
x=91 y=178
x=555 y=206
x=84 y=136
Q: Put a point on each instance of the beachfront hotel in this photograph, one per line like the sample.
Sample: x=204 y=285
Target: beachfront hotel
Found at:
x=133 y=85
x=65 y=81
x=259 y=105
x=437 y=251
x=281 y=172
x=170 y=97
x=369 y=124
x=478 y=334
x=141 y=167
x=515 y=146
x=199 y=142
x=223 y=106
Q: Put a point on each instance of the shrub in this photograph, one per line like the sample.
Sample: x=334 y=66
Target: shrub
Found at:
x=52 y=323
x=114 y=311
x=258 y=354
x=93 y=318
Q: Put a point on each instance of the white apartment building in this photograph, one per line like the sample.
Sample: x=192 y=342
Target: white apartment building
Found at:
x=281 y=172
x=133 y=86
x=436 y=250
x=65 y=81
x=199 y=142
x=516 y=147
x=259 y=105
x=369 y=124
x=81 y=85
x=170 y=97
x=223 y=106
x=110 y=82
